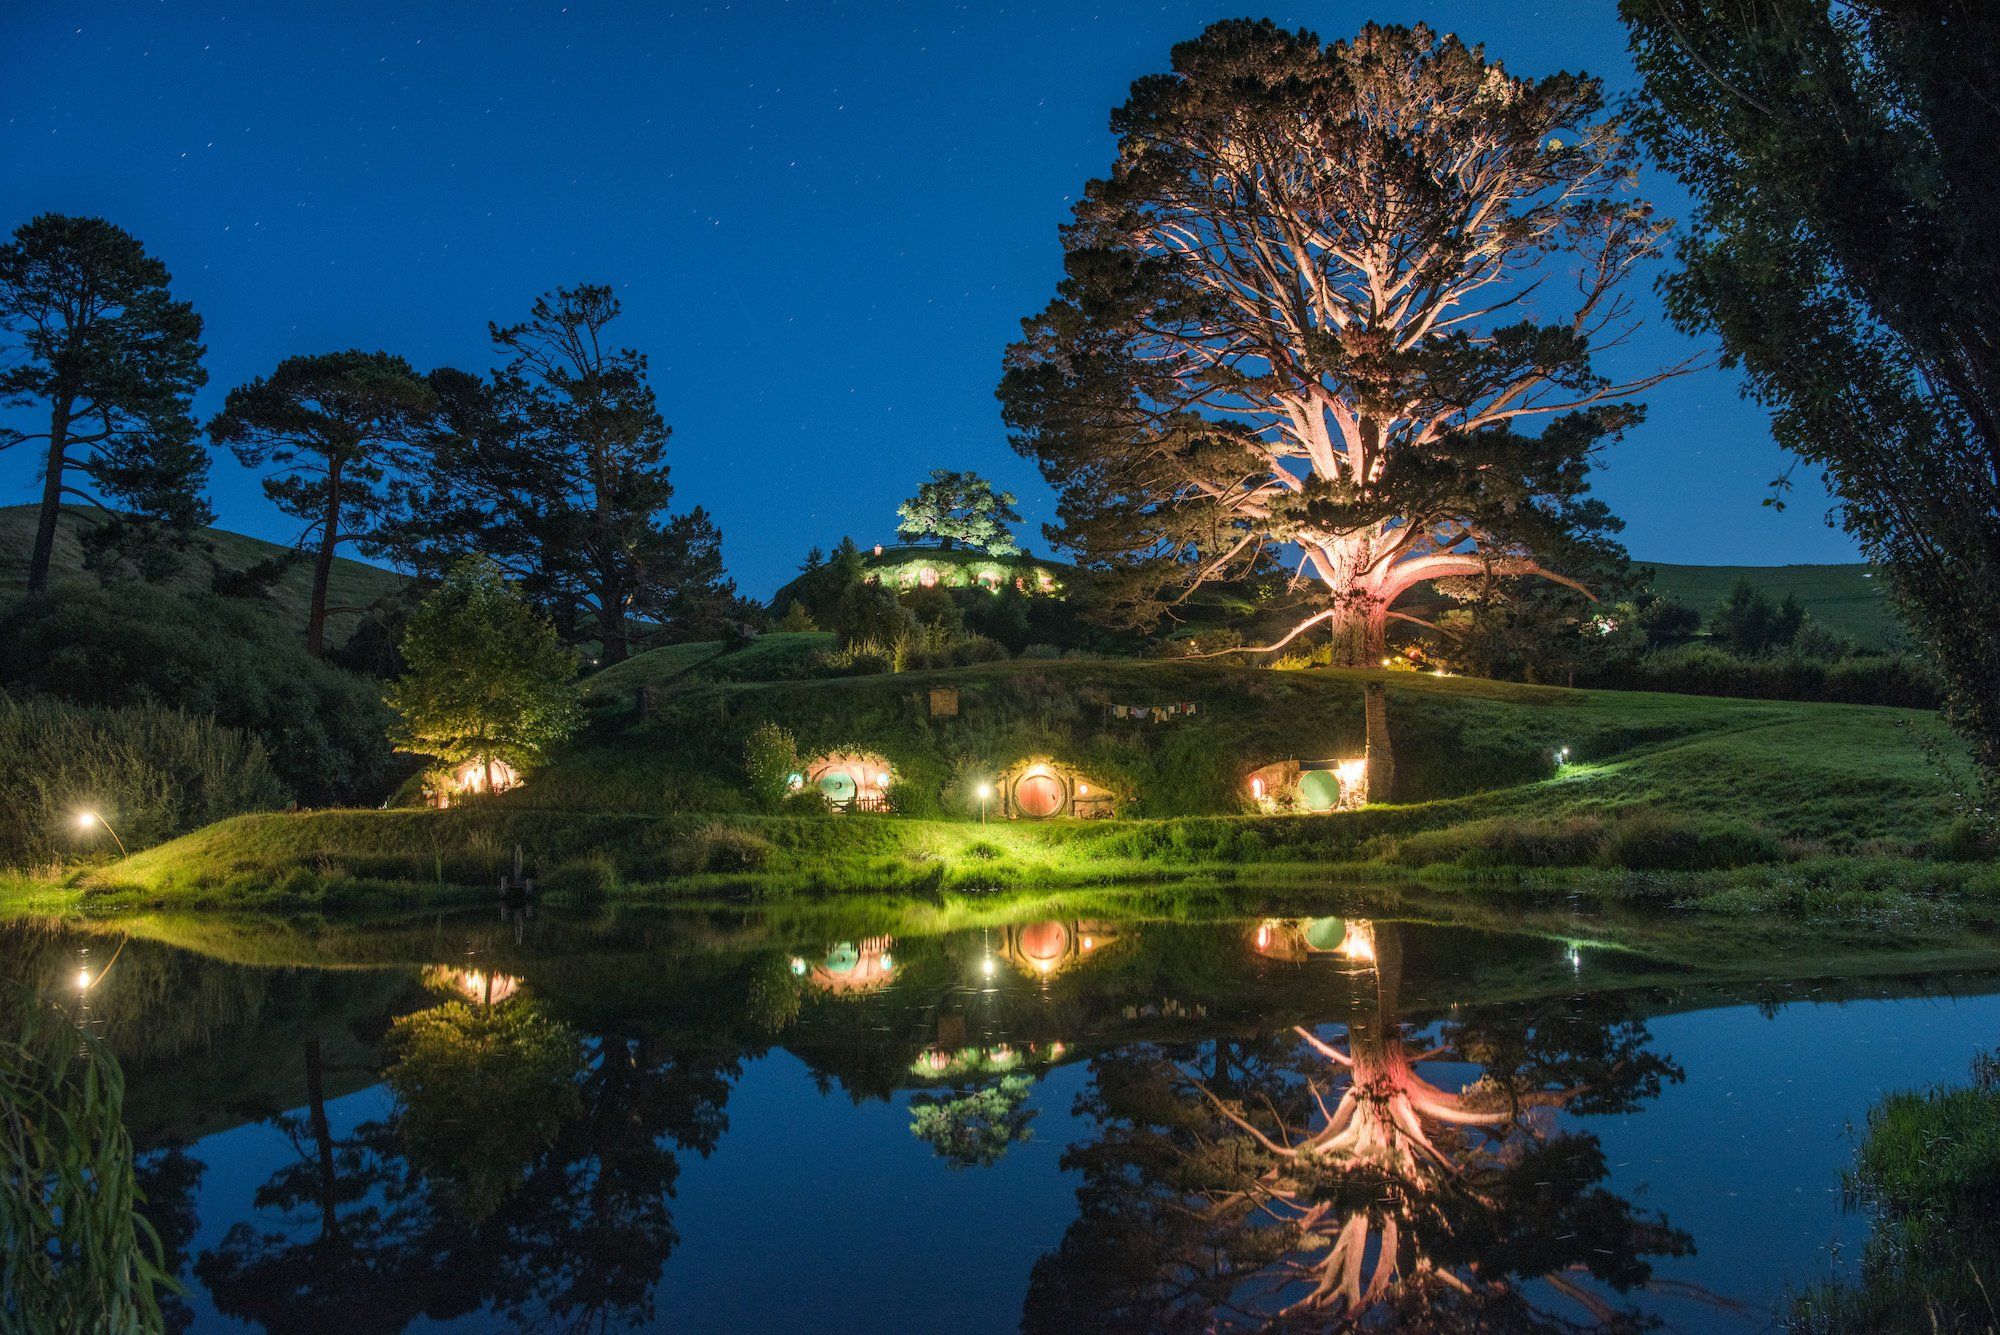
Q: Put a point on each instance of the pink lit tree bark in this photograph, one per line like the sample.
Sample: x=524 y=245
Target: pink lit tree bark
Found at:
x=1308 y=1183
x=1310 y=314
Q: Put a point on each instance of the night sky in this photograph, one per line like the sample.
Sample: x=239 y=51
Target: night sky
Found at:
x=825 y=220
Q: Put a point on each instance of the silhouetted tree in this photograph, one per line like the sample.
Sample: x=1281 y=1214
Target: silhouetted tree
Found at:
x=334 y=429
x=1840 y=157
x=558 y=470
x=100 y=342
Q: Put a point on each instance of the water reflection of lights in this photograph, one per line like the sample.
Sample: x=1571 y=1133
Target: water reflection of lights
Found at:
x=479 y=986
x=1359 y=943
x=851 y=967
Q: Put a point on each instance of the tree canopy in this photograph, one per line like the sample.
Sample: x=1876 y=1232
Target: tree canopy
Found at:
x=556 y=468
x=1294 y=324
x=488 y=680
x=333 y=429
x=1840 y=161
x=954 y=508
x=100 y=341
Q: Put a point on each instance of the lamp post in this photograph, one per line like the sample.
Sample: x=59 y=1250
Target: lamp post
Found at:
x=985 y=792
x=86 y=819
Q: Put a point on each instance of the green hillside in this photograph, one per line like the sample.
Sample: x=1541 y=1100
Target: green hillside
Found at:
x=354 y=585
x=1851 y=599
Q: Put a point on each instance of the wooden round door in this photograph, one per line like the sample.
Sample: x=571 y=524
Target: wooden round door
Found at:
x=1039 y=796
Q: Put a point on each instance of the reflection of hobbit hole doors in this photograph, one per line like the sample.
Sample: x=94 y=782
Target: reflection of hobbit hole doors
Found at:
x=1319 y=790
x=838 y=786
x=1039 y=796
x=1044 y=944
x=1326 y=933
x=842 y=958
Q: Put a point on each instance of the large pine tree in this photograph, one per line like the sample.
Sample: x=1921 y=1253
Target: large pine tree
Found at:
x=334 y=430
x=101 y=344
x=557 y=469
x=1309 y=313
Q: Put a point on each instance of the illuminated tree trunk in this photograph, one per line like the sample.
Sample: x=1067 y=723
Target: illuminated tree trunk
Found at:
x=1381 y=760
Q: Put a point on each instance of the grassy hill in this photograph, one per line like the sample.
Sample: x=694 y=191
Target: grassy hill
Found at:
x=353 y=584
x=1851 y=599
x=1809 y=810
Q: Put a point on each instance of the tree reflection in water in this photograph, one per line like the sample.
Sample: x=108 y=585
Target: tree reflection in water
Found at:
x=521 y=1169
x=1303 y=1182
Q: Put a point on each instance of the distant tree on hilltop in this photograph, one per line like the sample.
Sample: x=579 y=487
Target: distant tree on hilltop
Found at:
x=955 y=508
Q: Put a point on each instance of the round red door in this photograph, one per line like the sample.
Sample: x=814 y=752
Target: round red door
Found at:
x=1038 y=796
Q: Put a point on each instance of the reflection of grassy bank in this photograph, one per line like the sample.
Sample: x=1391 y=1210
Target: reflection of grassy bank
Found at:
x=345 y=860
x=1929 y=1172
x=1621 y=945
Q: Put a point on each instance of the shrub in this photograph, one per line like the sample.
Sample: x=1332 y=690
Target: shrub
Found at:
x=716 y=847
x=869 y=613
x=770 y=758
x=1645 y=841
x=978 y=649
x=325 y=730
x=1705 y=669
x=153 y=773
x=582 y=879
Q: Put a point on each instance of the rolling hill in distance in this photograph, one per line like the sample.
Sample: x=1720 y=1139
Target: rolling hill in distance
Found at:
x=1847 y=598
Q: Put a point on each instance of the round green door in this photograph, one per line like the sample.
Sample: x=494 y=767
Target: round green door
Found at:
x=1319 y=790
x=837 y=785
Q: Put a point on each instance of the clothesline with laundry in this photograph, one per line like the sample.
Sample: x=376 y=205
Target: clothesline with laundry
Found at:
x=1154 y=713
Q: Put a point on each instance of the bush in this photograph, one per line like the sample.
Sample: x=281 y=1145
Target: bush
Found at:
x=584 y=880
x=716 y=847
x=153 y=773
x=869 y=613
x=770 y=758
x=325 y=730
x=1645 y=841
x=1703 y=669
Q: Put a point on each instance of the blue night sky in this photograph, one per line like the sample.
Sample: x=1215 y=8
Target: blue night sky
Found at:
x=825 y=219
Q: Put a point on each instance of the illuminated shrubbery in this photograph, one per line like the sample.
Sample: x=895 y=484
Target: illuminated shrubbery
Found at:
x=153 y=773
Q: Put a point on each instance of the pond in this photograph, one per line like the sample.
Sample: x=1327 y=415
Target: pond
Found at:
x=873 y=1119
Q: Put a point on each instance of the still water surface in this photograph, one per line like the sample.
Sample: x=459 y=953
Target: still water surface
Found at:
x=728 y=1122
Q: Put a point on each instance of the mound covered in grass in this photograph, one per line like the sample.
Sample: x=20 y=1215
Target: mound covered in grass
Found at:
x=1741 y=805
x=1470 y=750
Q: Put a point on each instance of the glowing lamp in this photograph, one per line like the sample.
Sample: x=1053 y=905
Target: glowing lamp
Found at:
x=85 y=819
x=82 y=979
x=1090 y=943
x=986 y=966
x=798 y=966
x=985 y=791
x=1257 y=789
x=1083 y=790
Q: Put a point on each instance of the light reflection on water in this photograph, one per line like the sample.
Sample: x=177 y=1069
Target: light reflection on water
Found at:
x=1056 y=1123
